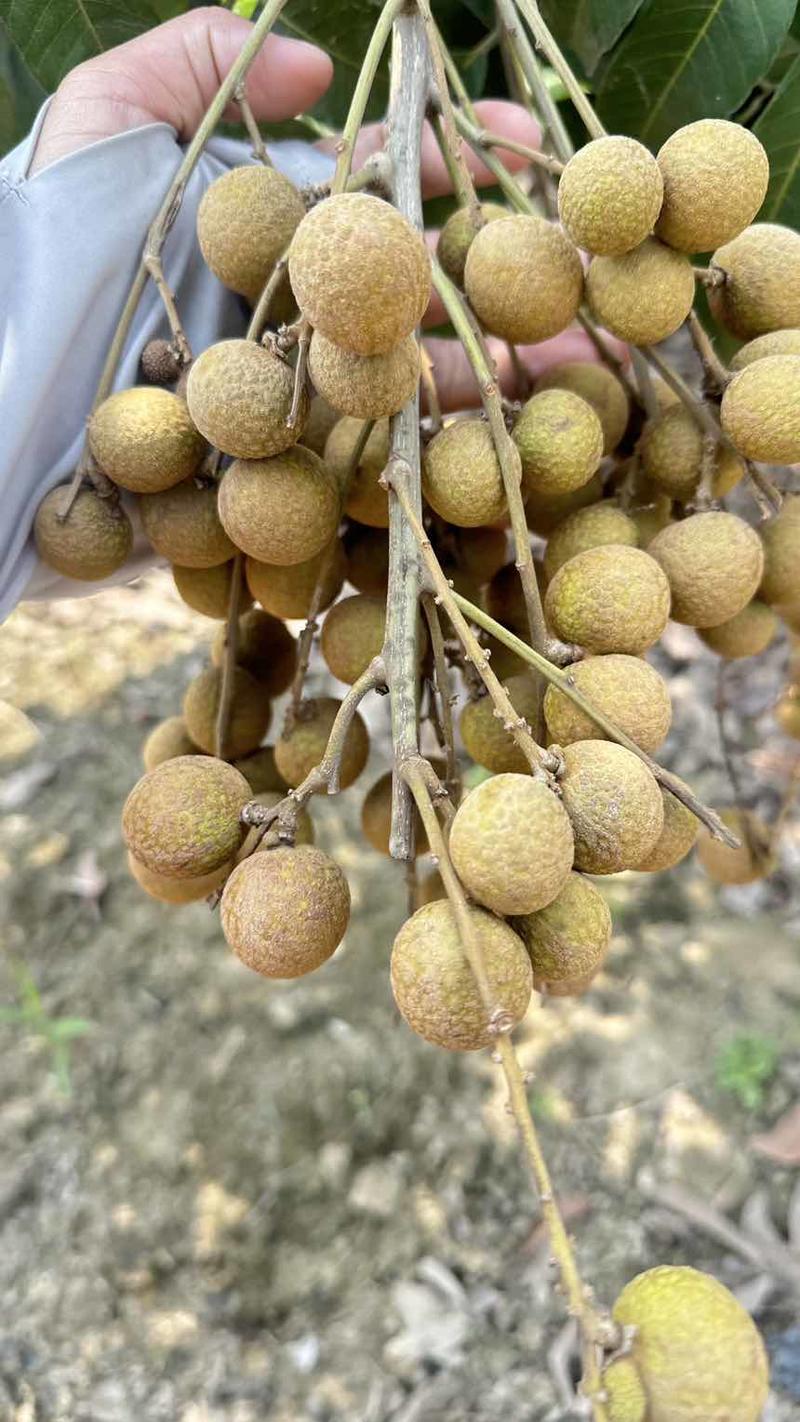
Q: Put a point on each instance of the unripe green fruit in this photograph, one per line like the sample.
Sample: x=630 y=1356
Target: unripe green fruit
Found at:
x=176 y=891
x=480 y=552
x=298 y=752
x=761 y=290
x=240 y=395
x=626 y=689
x=614 y=804
x=261 y=772
x=282 y=510
x=560 y=441
x=787 y=713
x=366 y=500
x=609 y=195
x=288 y=591
x=753 y=859
x=208 y=590
x=244 y=222
x=352 y=634
x=545 y=512
x=672 y=456
x=455 y=238
x=760 y=410
x=609 y=599
x=320 y=422
x=367 y=387
x=367 y=555
x=485 y=737
x=376 y=816
x=144 y=439
x=360 y=272
x=678 y=836
x=182 y=819
x=600 y=388
x=524 y=279
x=167 y=740
x=786 y=342
x=285 y=911
x=747 y=634
x=715 y=180
x=461 y=476
x=264 y=647
x=568 y=939
x=713 y=562
x=643 y=296
x=591 y=527
x=91 y=543
x=434 y=986
x=303 y=825
x=249 y=718
x=511 y=844
x=183 y=525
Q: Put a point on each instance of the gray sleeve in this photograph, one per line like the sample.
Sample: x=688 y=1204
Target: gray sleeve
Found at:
x=70 y=237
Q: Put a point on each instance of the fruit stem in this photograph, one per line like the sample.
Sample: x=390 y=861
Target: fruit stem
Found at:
x=439 y=94
x=648 y=398
x=543 y=101
x=607 y=356
x=261 y=310
x=253 y=131
x=230 y=640
x=427 y=375
x=484 y=138
x=716 y=374
x=345 y=146
x=443 y=681
x=731 y=769
x=505 y=180
x=546 y=43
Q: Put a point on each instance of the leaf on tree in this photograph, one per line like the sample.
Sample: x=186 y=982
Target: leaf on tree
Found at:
x=52 y=36
x=779 y=131
x=589 y=28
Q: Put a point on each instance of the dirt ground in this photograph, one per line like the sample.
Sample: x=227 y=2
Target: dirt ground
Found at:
x=232 y=1200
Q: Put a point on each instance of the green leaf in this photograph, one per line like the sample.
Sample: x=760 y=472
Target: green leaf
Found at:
x=688 y=59
x=53 y=36
x=779 y=131
x=589 y=28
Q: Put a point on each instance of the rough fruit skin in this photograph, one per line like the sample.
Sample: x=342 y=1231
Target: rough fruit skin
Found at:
x=261 y=772
x=599 y=387
x=367 y=555
x=183 y=525
x=182 y=819
x=698 y=1353
x=713 y=562
x=626 y=1400
x=626 y=689
x=244 y=221
x=434 y=986
x=367 y=387
x=264 y=647
x=176 y=891
x=320 y=422
x=751 y=861
x=93 y=542
x=747 y=634
x=787 y=713
x=511 y=844
x=282 y=510
x=239 y=396
x=760 y=410
x=159 y=363
x=365 y=501
x=715 y=179
x=505 y=601
x=560 y=441
x=609 y=195
x=352 y=634
x=250 y=714
x=485 y=738
x=588 y=528
x=780 y=536
x=524 y=279
x=167 y=740
x=285 y=911
x=761 y=291
x=773 y=343
x=455 y=238
x=480 y=552
x=614 y=804
x=376 y=816
x=545 y=512
x=677 y=838
x=288 y=591
x=304 y=825
x=672 y=456
x=360 y=272
x=567 y=939
x=609 y=599
x=207 y=590
x=144 y=439
x=298 y=752
x=642 y=296
x=461 y=478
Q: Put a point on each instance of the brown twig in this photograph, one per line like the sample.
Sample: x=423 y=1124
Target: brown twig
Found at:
x=253 y=131
x=545 y=41
x=444 y=688
x=261 y=310
x=463 y=185
x=527 y=58
x=716 y=374
x=304 y=333
x=484 y=138
x=427 y=375
x=229 y=657
x=709 y=276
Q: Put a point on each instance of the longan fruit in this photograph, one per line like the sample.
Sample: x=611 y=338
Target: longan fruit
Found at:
x=760 y=410
x=365 y=499
x=614 y=804
x=352 y=635
x=250 y=712
x=643 y=296
x=511 y=844
x=672 y=456
x=183 y=525
x=485 y=738
x=560 y=440
x=461 y=476
x=167 y=740
x=567 y=939
x=713 y=562
x=367 y=556
x=600 y=388
x=245 y=220
x=367 y=387
x=240 y=394
x=609 y=599
x=753 y=859
x=626 y=689
x=588 y=528
x=524 y=279
x=609 y=195
x=302 y=748
x=264 y=647
x=715 y=179
x=144 y=439
x=677 y=838
x=747 y=634
x=182 y=818
x=761 y=287
x=287 y=592
x=285 y=911
x=94 y=541
x=208 y=590
x=455 y=238
x=282 y=510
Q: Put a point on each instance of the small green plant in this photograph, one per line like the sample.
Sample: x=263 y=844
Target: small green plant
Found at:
x=30 y=1014
x=744 y=1066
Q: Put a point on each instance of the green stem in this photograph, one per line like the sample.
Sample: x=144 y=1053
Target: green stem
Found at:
x=545 y=104
x=358 y=104
x=547 y=44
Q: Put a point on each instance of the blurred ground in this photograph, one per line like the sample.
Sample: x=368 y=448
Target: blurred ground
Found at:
x=232 y=1200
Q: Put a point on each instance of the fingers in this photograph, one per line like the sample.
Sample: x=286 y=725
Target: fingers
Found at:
x=456 y=383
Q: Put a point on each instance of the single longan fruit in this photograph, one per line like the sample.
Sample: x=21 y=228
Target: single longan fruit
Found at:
x=772 y=343
x=455 y=238
x=285 y=911
x=567 y=939
x=360 y=272
x=94 y=541
x=352 y=634
x=297 y=752
x=435 y=988
x=747 y=634
x=207 y=590
x=600 y=388
x=787 y=713
x=753 y=859
x=320 y=422
x=304 y=825
x=264 y=647
x=365 y=499
x=288 y=591
x=480 y=552
x=511 y=844
x=609 y=195
x=177 y=891
x=715 y=180
x=545 y=512
x=761 y=287
x=376 y=816
x=261 y=772
x=560 y=441
x=250 y=712
x=713 y=562
x=760 y=410
x=144 y=439
x=615 y=806
x=524 y=279
x=626 y=689
x=167 y=740
x=672 y=456
x=367 y=387
x=182 y=819
x=588 y=528
x=643 y=296
x=240 y=395
x=461 y=476
x=697 y=1352
x=282 y=510
x=367 y=555
x=183 y=525
x=485 y=737
x=244 y=222
x=609 y=599
x=677 y=838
